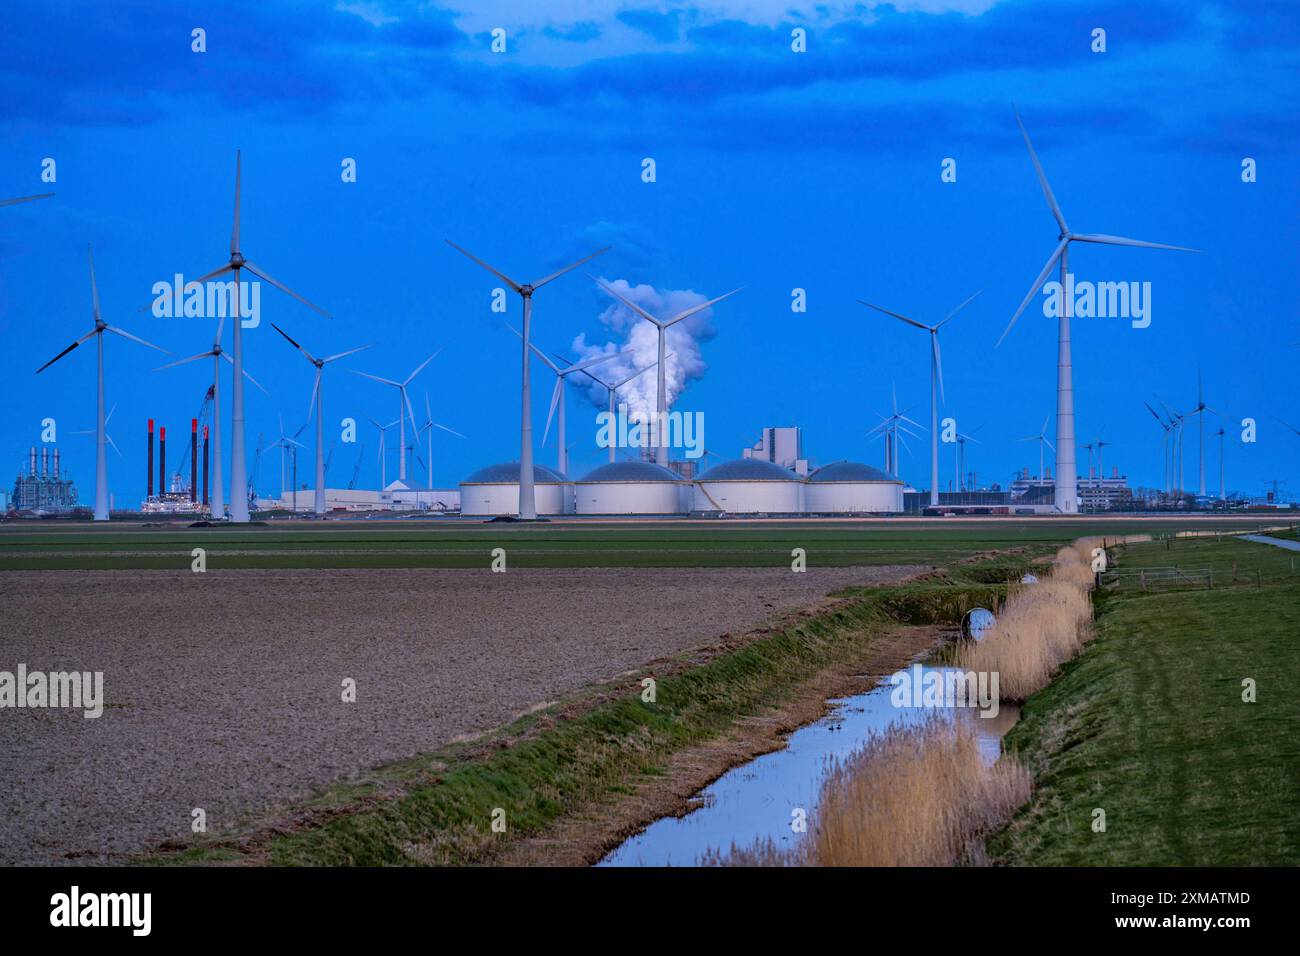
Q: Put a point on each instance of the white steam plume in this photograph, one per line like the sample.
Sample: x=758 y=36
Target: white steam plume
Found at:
x=642 y=338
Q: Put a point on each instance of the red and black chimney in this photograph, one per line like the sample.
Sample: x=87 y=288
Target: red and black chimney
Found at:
x=205 y=465
x=194 y=459
x=149 y=468
x=162 y=460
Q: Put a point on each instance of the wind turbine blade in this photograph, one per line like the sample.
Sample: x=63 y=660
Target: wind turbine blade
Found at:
x=14 y=202
x=1049 y=444
x=500 y=275
x=234 y=232
x=634 y=374
x=386 y=381
x=588 y=363
x=420 y=368
x=625 y=300
x=66 y=351
x=555 y=400
x=409 y=410
x=134 y=338
x=109 y=417
x=911 y=422
x=698 y=308
x=1046 y=419
x=536 y=351
x=262 y=274
x=1042 y=178
x=938 y=364
x=109 y=439
x=569 y=268
x=1122 y=241
x=1033 y=289
x=895 y=315
x=315 y=387
x=94 y=287
x=967 y=302
x=335 y=358
x=227 y=357
x=446 y=429
x=428 y=410
x=288 y=338
x=192 y=358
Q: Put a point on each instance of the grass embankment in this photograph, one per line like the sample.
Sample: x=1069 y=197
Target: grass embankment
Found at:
x=580 y=755
x=1149 y=725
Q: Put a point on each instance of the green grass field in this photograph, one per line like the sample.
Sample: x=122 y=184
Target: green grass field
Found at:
x=467 y=544
x=1149 y=725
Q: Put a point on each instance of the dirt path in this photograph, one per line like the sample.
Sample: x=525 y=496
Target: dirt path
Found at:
x=223 y=690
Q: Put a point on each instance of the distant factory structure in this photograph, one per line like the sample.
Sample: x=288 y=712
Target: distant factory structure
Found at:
x=46 y=490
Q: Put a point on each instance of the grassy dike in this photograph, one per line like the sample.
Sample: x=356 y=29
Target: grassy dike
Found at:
x=1149 y=725
x=582 y=754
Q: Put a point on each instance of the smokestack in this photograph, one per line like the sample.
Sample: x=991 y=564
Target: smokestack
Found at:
x=205 y=465
x=194 y=459
x=57 y=473
x=149 y=467
x=32 y=466
x=162 y=460
x=45 y=462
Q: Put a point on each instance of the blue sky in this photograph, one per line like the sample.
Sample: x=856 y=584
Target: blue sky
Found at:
x=775 y=171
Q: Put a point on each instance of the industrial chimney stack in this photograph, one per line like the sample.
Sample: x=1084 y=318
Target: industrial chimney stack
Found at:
x=194 y=459
x=57 y=472
x=162 y=460
x=32 y=467
x=205 y=466
x=149 y=467
x=45 y=462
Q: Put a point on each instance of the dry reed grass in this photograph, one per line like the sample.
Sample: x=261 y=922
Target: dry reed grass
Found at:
x=916 y=795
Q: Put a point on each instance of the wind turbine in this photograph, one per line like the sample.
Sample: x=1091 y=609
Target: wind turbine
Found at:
x=936 y=384
x=1165 y=450
x=101 y=454
x=90 y=431
x=1089 y=447
x=661 y=397
x=527 y=493
x=612 y=389
x=1222 y=491
x=557 y=394
x=403 y=405
x=1101 y=461
x=14 y=202
x=290 y=444
x=428 y=426
x=1199 y=411
x=1042 y=440
x=959 y=458
x=383 y=460
x=238 y=468
x=217 y=508
x=1067 y=491
x=1178 y=421
x=889 y=427
x=316 y=406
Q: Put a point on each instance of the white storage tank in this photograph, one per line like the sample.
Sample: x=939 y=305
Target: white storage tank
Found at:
x=749 y=486
x=494 y=490
x=632 y=488
x=849 y=487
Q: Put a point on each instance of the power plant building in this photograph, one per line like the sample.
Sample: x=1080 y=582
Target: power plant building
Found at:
x=46 y=490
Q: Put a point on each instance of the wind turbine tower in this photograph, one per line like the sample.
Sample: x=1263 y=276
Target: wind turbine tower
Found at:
x=1067 y=490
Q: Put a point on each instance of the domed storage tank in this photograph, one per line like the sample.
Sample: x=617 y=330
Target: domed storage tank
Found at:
x=849 y=487
x=632 y=488
x=494 y=490
x=749 y=486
